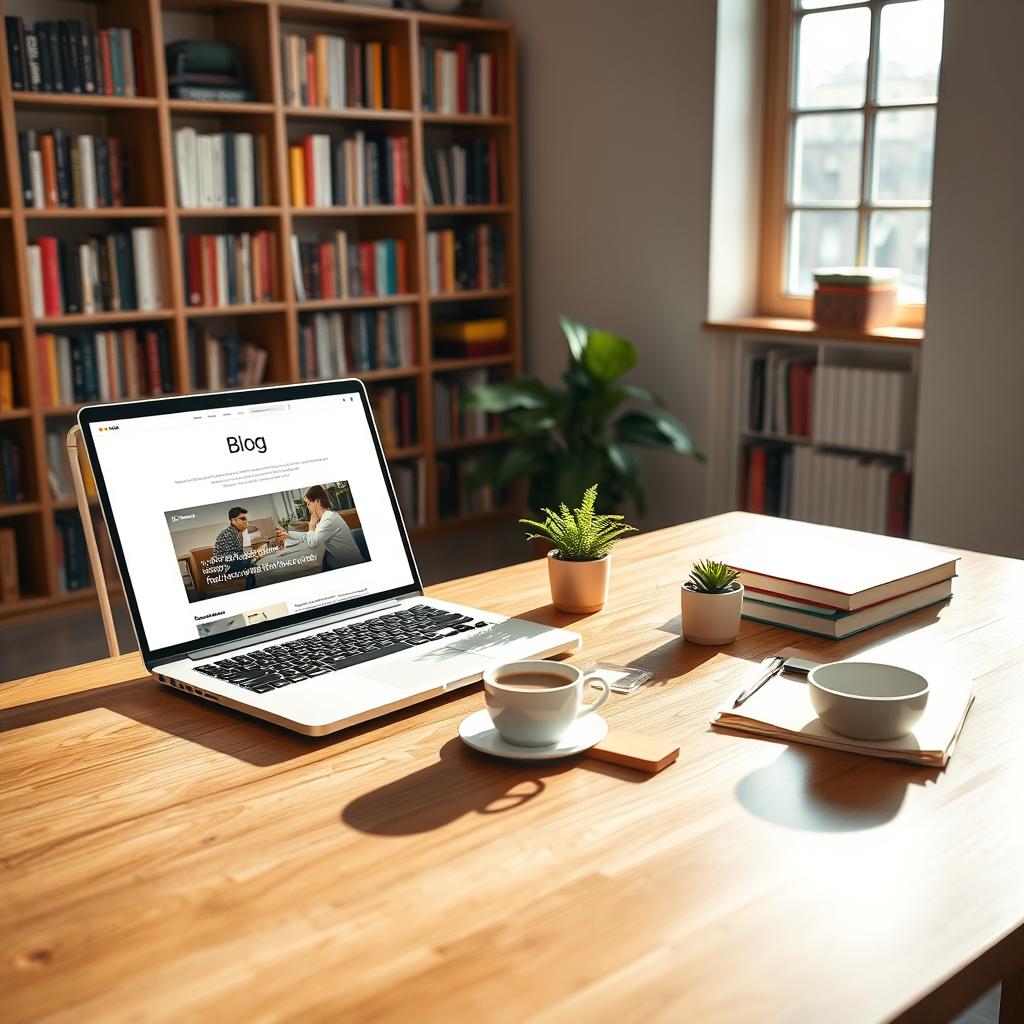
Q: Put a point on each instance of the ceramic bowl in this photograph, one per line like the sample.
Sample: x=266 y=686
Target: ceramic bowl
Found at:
x=866 y=700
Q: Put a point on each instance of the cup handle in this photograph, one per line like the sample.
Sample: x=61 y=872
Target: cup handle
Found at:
x=589 y=709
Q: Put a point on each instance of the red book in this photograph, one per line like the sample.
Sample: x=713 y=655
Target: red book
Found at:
x=108 y=65
x=757 y=480
x=47 y=155
x=53 y=300
x=492 y=163
x=194 y=270
x=211 y=279
x=116 y=166
x=462 y=56
x=310 y=168
x=898 y=524
x=402 y=262
x=366 y=268
x=495 y=105
x=140 y=78
x=355 y=84
x=312 y=100
x=153 y=362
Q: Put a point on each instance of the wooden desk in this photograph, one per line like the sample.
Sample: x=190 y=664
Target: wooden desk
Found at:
x=165 y=859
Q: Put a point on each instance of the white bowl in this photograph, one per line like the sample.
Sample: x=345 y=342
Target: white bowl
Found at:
x=868 y=701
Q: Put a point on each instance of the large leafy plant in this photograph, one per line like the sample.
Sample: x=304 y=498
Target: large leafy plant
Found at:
x=563 y=439
x=580 y=535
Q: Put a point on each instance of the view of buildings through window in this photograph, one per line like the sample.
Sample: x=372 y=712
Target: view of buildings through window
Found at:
x=863 y=91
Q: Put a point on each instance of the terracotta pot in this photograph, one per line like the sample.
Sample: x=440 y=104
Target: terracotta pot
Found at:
x=579 y=586
x=711 y=618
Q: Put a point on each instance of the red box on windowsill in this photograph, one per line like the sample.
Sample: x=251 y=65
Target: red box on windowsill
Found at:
x=858 y=298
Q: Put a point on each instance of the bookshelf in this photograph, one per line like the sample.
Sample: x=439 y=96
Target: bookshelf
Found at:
x=147 y=123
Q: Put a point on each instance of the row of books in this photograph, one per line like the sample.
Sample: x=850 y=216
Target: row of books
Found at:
x=780 y=394
x=12 y=477
x=70 y=56
x=215 y=170
x=834 y=584
x=10 y=583
x=375 y=339
x=461 y=174
x=454 y=422
x=465 y=258
x=410 y=489
x=104 y=366
x=368 y=169
x=341 y=269
x=459 y=80
x=457 y=493
x=337 y=73
x=72 y=555
x=6 y=376
x=852 y=491
x=106 y=273
x=60 y=170
x=230 y=269
x=394 y=412
x=224 y=361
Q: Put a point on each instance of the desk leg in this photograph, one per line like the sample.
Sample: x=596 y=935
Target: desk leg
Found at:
x=1011 y=1000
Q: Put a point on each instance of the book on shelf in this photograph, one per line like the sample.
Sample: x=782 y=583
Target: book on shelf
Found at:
x=12 y=465
x=461 y=174
x=857 y=492
x=123 y=270
x=332 y=344
x=224 y=361
x=394 y=412
x=230 y=269
x=332 y=72
x=6 y=376
x=863 y=408
x=69 y=56
x=59 y=170
x=471 y=337
x=212 y=93
x=458 y=80
x=10 y=585
x=344 y=269
x=410 y=489
x=365 y=169
x=454 y=422
x=215 y=170
x=72 y=556
x=841 y=570
x=103 y=365
x=458 y=492
x=466 y=258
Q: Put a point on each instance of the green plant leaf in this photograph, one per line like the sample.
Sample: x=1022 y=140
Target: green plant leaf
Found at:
x=659 y=430
x=642 y=394
x=524 y=393
x=607 y=356
x=575 y=335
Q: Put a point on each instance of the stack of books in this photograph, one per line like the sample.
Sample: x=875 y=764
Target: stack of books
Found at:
x=230 y=270
x=834 y=583
x=336 y=73
x=12 y=471
x=69 y=56
x=465 y=259
x=220 y=169
x=461 y=175
x=6 y=376
x=368 y=169
x=459 y=80
x=60 y=170
x=470 y=338
x=224 y=361
x=454 y=422
x=341 y=269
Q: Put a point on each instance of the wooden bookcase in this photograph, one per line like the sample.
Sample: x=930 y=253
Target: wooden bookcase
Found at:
x=255 y=27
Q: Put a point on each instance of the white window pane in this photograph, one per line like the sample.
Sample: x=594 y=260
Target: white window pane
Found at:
x=832 y=58
x=827 y=151
x=899 y=238
x=909 y=49
x=904 y=148
x=819 y=238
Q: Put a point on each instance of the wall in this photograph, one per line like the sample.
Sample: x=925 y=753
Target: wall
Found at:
x=617 y=102
x=969 y=487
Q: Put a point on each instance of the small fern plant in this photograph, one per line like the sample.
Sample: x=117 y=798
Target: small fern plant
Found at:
x=711 y=577
x=580 y=535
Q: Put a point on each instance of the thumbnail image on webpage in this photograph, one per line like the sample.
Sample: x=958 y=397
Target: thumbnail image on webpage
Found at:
x=250 y=542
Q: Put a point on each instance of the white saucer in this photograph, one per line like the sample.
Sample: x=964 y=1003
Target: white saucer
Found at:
x=478 y=732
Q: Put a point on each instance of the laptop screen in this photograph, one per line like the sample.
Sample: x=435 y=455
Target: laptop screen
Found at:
x=231 y=515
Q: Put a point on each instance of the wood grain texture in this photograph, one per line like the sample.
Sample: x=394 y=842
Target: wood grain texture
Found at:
x=162 y=858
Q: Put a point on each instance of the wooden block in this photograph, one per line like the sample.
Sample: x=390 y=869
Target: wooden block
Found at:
x=635 y=750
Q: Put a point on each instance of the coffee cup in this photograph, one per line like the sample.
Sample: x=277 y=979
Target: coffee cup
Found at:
x=534 y=703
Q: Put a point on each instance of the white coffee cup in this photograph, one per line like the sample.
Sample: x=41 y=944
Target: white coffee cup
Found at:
x=538 y=716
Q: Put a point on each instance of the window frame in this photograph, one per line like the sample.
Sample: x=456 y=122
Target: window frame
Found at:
x=778 y=124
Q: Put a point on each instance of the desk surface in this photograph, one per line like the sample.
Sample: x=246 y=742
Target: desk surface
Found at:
x=162 y=858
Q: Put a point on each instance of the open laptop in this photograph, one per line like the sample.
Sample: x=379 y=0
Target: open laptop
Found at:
x=237 y=601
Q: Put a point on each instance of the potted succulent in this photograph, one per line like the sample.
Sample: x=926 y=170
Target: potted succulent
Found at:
x=711 y=601
x=579 y=565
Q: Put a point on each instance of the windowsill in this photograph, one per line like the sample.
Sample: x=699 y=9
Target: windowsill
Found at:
x=809 y=329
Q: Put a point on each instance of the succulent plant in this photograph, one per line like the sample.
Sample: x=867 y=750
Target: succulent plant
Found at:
x=581 y=535
x=711 y=577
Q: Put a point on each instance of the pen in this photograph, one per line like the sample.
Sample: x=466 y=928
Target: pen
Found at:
x=770 y=667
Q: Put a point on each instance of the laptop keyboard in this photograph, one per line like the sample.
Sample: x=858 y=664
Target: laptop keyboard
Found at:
x=283 y=664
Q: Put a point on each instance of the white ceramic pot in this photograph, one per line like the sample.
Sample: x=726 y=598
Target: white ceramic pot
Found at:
x=579 y=586
x=711 y=618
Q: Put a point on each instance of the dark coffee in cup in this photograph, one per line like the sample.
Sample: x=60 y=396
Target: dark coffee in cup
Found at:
x=530 y=681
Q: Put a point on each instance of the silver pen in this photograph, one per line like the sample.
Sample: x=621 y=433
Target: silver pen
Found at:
x=770 y=667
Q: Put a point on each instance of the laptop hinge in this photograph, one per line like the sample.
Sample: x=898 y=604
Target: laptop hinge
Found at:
x=240 y=643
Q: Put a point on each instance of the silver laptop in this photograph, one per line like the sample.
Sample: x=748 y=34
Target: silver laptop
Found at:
x=266 y=563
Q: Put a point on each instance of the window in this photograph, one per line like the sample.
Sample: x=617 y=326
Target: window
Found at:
x=849 y=138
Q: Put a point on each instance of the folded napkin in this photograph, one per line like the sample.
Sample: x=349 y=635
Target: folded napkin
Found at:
x=782 y=710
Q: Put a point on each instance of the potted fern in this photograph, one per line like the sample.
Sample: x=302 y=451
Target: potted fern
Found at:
x=579 y=565
x=711 y=601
